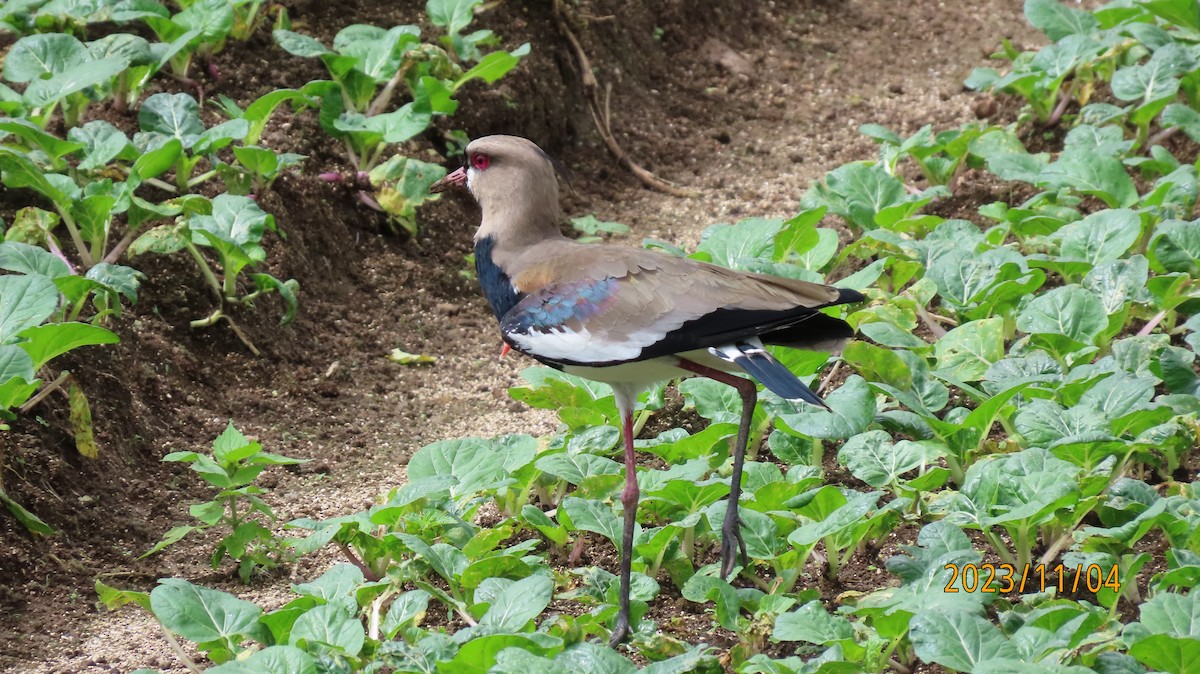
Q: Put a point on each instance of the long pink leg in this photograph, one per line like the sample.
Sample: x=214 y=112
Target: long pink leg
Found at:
x=629 y=500
x=731 y=532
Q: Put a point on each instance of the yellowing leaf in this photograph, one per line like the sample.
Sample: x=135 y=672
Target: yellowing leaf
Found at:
x=406 y=358
x=81 y=423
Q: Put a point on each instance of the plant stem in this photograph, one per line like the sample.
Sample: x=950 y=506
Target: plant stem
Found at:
x=1063 y=101
x=1149 y=327
x=211 y=319
x=209 y=276
x=640 y=422
x=389 y=89
x=367 y=573
x=201 y=178
x=119 y=249
x=1158 y=138
x=242 y=336
x=77 y=308
x=179 y=652
x=76 y=239
x=46 y=391
x=164 y=186
x=998 y=546
x=230 y=285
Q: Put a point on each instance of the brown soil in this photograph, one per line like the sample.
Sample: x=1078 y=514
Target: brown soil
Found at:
x=746 y=105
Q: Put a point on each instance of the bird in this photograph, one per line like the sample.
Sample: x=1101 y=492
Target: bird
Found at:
x=633 y=318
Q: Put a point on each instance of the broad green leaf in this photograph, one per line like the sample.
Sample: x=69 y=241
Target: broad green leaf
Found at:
x=1174 y=614
x=204 y=615
x=574 y=468
x=519 y=603
x=702 y=588
x=1103 y=236
x=211 y=18
x=407 y=609
x=174 y=115
x=743 y=245
x=594 y=516
x=133 y=48
x=299 y=45
x=399 y=125
x=118 y=279
x=477 y=463
x=1118 y=281
x=1181 y=12
x=45 y=342
x=331 y=625
x=1087 y=172
x=341 y=580
x=25 y=301
x=23 y=258
x=35 y=56
x=236 y=221
x=1154 y=80
x=873 y=458
x=1184 y=117
x=287 y=291
x=759 y=531
x=1007 y=157
x=1057 y=20
x=220 y=136
x=1165 y=653
x=1069 y=310
x=18 y=171
x=833 y=512
x=103 y=143
x=857 y=192
x=402 y=185
x=1175 y=246
x=88 y=74
x=38 y=139
x=878 y=364
x=153 y=163
x=493 y=66
x=15 y=367
x=1105 y=140
x=451 y=15
x=1045 y=423
x=813 y=624
x=967 y=351
x=112 y=598
x=958 y=640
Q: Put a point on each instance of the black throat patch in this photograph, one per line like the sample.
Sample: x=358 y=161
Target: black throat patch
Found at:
x=497 y=286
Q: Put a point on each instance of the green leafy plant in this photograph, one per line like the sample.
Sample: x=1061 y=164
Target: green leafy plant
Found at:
x=232 y=468
x=233 y=230
x=369 y=67
x=60 y=73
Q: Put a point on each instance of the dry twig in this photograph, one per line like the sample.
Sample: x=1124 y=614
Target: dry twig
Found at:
x=600 y=112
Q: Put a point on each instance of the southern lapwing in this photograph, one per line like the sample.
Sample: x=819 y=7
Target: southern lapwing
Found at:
x=630 y=317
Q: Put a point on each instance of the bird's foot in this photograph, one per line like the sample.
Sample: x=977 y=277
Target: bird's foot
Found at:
x=731 y=545
x=620 y=631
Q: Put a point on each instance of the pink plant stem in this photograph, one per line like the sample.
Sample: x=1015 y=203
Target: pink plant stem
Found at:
x=1149 y=327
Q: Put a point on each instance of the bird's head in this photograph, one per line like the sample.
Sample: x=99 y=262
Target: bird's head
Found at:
x=514 y=182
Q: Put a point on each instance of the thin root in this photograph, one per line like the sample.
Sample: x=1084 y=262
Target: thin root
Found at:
x=600 y=113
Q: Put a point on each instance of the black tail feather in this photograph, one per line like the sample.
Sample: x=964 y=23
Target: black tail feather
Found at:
x=771 y=373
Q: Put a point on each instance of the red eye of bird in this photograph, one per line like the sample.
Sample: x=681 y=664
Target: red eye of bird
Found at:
x=480 y=161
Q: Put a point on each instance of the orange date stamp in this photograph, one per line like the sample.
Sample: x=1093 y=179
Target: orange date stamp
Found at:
x=1006 y=578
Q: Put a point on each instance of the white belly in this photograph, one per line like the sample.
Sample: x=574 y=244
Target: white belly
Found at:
x=641 y=375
